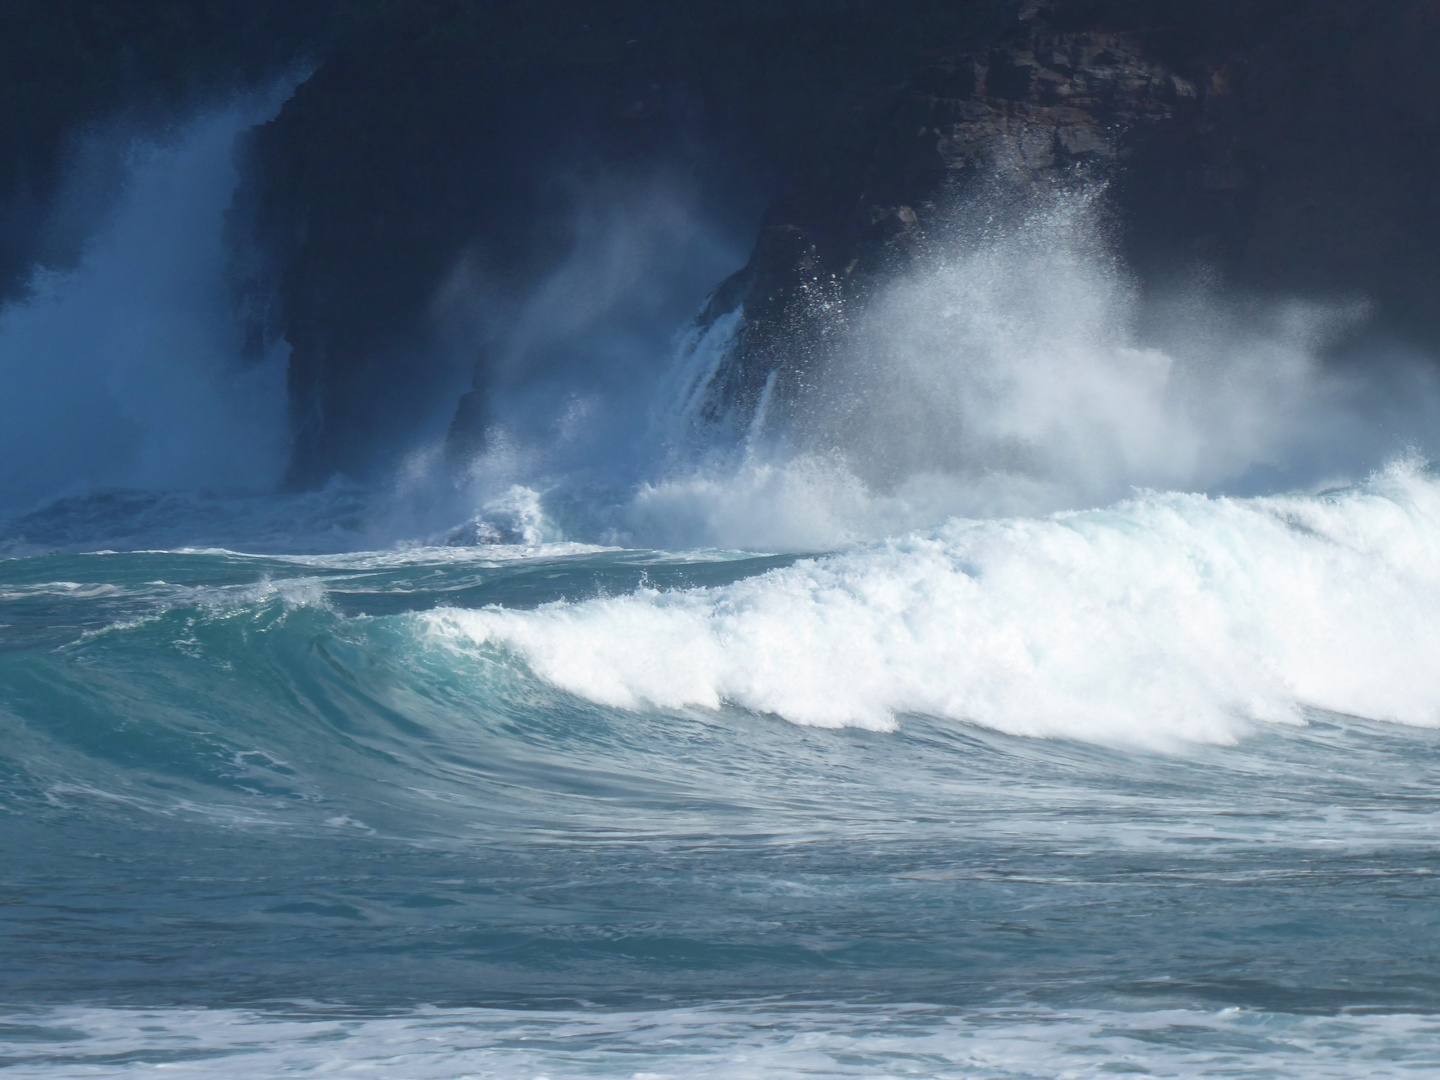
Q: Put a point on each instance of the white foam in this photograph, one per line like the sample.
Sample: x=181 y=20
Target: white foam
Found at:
x=733 y=1042
x=478 y=555
x=66 y=590
x=1160 y=620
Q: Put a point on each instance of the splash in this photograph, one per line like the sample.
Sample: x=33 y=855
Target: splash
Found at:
x=1016 y=368
x=125 y=372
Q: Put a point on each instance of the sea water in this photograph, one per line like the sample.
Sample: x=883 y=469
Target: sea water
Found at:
x=935 y=724
x=1146 y=790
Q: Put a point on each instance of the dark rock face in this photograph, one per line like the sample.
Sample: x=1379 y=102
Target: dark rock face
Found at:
x=1293 y=158
x=1031 y=112
x=449 y=132
x=1284 y=146
x=1336 y=145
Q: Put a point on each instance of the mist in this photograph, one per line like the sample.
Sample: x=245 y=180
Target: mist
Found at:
x=1012 y=366
x=126 y=371
x=1015 y=367
x=570 y=373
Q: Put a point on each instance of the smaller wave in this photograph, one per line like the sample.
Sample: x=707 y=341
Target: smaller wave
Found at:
x=290 y=593
x=68 y=590
x=1162 y=620
x=406 y=557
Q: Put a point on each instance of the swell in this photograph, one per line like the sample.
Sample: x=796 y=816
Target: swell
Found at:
x=399 y=691
x=305 y=691
x=407 y=691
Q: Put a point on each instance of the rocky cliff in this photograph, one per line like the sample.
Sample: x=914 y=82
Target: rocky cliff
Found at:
x=452 y=131
x=1284 y=147
x=1038 y=110
x=1280 y=147
x=1287 y=153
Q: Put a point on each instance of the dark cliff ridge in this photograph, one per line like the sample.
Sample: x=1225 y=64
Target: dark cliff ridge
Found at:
x=1294 y=162
x=1041 y=111
x=465 y=131
x=1286 y=147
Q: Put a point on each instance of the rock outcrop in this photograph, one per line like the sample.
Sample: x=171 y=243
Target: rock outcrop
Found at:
x=1040 y=110
x=1284 y=146
x=449 y=132
x=1290 y=153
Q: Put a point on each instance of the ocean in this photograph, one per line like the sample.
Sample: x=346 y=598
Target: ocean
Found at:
x=1021 y=699
x=1149 y=790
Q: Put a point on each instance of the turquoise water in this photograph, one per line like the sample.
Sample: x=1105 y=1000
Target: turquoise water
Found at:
x=506 y=811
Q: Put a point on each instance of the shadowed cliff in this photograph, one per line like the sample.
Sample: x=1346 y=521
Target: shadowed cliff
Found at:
x=1279 y=147
x=1276 y=148
x=473 y=130
x=1282 y=151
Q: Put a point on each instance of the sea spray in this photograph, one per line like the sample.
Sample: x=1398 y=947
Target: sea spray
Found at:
x=126 y=371
x=1014 y=366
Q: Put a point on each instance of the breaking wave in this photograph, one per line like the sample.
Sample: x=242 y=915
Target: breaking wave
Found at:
x=1164 y=618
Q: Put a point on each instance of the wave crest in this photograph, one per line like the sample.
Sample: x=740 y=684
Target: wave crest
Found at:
x=1165 y=619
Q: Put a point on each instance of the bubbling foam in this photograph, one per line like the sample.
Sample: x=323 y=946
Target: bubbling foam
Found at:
x=1158 y=621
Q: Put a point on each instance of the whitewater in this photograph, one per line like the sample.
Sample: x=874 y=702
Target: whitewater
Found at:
x=1033 y=701
x=1169 y=617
